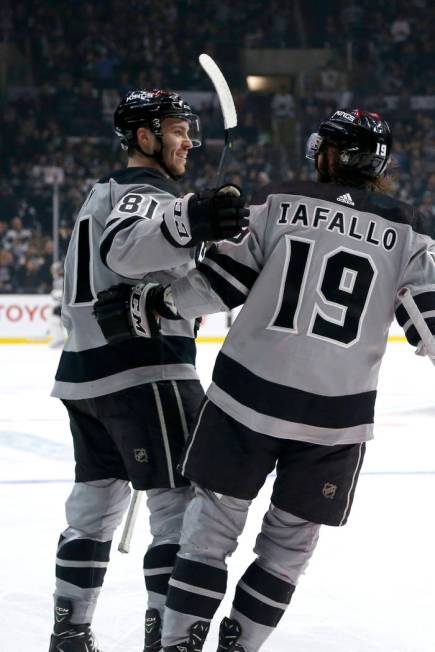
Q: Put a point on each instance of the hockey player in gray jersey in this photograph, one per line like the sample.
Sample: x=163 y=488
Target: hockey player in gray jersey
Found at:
x=294 y=385
x=132 y=401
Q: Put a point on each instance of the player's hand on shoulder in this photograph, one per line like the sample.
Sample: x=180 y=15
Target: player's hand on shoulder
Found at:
x=124 y=310
x=209 y=216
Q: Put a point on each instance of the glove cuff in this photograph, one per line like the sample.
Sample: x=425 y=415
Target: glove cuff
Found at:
x=176 y=225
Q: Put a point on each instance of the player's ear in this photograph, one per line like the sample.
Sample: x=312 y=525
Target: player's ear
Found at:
x=145 y=138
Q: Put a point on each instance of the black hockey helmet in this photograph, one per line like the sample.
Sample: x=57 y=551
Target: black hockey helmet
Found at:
x=141 y=108
x=363 y=139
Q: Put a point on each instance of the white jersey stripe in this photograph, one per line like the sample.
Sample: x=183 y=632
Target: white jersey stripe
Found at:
x=225 y=275
x=351 y=488
x=186 y=457
x=181 y=410
x=164 y=435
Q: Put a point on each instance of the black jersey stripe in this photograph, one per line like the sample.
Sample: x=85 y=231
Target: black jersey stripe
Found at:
x=289 y=403
x=424 y=301
x=107 y=240
x=164 y=229
x=83 y=293
x=229 y=294
x=242 y=273
x=112 y=222
x=412 y=334
x=93 y=364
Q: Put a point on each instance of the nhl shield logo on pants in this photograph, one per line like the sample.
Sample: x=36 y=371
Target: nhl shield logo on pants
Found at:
x=329 y=490
x=141 y=455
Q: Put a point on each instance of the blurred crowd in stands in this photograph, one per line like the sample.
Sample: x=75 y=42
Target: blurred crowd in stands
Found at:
x=71 y=62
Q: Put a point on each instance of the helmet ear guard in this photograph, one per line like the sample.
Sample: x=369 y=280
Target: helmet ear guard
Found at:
x=313 y=146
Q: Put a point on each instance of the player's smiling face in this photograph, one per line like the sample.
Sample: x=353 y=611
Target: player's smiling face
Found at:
x=176 y=144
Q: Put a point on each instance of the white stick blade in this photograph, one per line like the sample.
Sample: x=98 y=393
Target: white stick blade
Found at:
x=223 y=92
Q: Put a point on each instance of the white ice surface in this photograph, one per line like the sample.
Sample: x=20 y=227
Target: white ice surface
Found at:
x=369 y=588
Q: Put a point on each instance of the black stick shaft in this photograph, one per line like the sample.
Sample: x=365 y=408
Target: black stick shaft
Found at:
x=224 y=158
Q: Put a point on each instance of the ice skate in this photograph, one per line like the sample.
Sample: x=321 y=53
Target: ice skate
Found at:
x=229 y=633
x=198 y=634
x=153 y=631
x=69 y=637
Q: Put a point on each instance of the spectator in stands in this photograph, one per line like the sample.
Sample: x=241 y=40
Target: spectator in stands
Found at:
x=32 y=278
x=283 y=109
x=17 y=237
x=7 y=269
x=400 y=29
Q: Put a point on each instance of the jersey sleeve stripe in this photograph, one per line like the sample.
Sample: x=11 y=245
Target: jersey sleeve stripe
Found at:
x=425 y=302
x=234 y=281
x=232 y=295
x=110 y=224
x=289 y=403
x=243 y=273
x=168 y=236
x=107 y=240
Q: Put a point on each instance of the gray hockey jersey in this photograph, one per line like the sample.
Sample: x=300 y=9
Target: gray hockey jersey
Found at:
x=318 y=273
x=117 y=239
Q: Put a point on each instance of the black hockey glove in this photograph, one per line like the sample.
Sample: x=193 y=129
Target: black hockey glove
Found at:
x=124 y=311
x=206 y=217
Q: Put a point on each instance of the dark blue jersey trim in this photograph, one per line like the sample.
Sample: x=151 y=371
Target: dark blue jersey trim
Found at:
x=94 y=364
x=291 y=404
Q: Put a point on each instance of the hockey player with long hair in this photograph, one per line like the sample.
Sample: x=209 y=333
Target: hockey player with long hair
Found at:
x=131 y=402
x=294 y=386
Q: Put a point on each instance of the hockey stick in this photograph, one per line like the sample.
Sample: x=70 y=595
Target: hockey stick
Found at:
x=227 y=107
x=124 y=544
x=427 y=337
